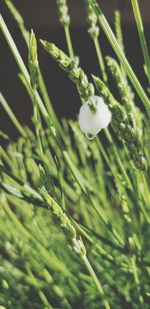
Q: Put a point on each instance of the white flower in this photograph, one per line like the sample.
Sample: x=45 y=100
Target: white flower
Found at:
x=91 y=123
x=78 y=245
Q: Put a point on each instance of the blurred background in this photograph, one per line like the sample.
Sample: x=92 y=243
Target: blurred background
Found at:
x=42 y=17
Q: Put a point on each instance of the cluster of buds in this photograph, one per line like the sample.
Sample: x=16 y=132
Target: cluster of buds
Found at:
x=79 y=247
x=122 y=126
x=63 y=12
x=76 y=74
x=76 y=244
x=92 y=21
x=118 y=29
x=33 y=61
x=58 y=213
x=126 y=94
x=125 y=209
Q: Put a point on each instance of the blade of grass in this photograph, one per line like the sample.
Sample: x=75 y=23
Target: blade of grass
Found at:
x=12 y=116
x=140 y=28
x=97 y=282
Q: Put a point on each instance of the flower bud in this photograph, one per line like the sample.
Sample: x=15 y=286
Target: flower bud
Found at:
x=92 y=122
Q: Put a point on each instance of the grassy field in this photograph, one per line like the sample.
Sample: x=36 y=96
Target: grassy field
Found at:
x=74 y=204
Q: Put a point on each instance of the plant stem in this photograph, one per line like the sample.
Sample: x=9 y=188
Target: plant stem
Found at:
x=140 y=29
x=118 y=159
x=137 y=281
x=100 y=59
x=69 y=43
x=6 y=158
x=37 y=124
x=106 y=158
x=95 y=279
x=118 y=51
x=12 y=116
x=48 y=104
x=41 y=294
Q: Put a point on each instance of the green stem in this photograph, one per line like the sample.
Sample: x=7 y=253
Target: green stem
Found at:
x=69 y=43
x=118 y=51
x=70 y=48
x=48 y=103
x=100 y=59
x=6 y=158
x=13 y=48
x=140 y=29
x=97 y=282
x=146 y=184
x=12 y=116
x=108 y=135
x=35 y=283
x=137 y=281
x=105 y=156
x=37 y=124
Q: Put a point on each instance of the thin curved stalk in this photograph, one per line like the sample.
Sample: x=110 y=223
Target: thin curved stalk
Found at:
x=12 y=116
x=140 y=29
x=97 y=282
x=69 y=43
x=100 y=59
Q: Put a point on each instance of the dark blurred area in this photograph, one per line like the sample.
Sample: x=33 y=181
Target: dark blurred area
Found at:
x=42 y=17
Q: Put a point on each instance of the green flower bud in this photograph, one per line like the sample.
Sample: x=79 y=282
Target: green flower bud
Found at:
x=122 y=126
x=33 y=61
x=64 y=17
x=92 y=21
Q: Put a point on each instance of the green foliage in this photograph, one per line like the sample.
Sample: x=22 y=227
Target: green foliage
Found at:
x=74 y=214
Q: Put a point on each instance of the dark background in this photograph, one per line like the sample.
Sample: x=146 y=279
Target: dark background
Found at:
x=41 y=15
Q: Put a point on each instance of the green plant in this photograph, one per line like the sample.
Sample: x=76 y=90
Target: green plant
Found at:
x=74 y=214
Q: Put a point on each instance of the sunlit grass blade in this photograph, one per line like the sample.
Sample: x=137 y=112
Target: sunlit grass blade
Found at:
x=140 y=28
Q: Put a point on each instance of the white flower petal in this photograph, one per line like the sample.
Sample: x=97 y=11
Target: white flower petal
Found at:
x=92 y=123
